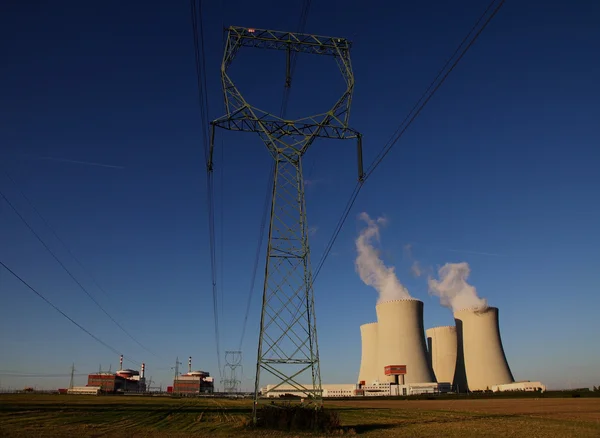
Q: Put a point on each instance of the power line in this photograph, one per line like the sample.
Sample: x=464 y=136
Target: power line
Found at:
x=200 y=59
x=198 y=32
x=431 y=90
x=293 y=59
x=62 y=242
x=71 y=275
x=261 y=234
x=37 y=375
x=222 y=233
x=412 y=115
x=100 y=341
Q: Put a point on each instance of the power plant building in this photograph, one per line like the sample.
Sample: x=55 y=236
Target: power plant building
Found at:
x=396 y=359
x=124 y=380
x=194 y=382
x=480 y=349
x=359 y=390
x=520 y=386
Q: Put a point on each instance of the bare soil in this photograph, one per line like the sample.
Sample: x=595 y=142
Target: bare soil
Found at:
x=156 y=417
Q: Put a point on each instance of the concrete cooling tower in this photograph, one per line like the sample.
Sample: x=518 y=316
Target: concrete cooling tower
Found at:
x=480 y=346
x=442 y=348
x=401 y=340
x=368 y=361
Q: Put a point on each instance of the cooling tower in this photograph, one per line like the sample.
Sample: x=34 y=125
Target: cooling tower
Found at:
x=442 y=347
x=368 y=361
x=480 y=345
x=401 y=340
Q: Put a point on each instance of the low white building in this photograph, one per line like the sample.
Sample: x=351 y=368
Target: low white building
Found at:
x=383 y=389
x=329 y=390
x=84 y=390
x=520 y=386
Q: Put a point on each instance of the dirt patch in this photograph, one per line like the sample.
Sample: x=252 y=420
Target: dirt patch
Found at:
x=557 y=408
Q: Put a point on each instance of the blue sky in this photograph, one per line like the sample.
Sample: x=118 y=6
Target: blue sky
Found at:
x=501 y=161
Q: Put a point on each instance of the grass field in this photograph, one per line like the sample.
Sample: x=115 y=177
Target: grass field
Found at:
x=87 y=416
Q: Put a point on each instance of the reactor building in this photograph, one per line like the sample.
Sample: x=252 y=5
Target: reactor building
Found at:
x=193 y=382
x=124 y=380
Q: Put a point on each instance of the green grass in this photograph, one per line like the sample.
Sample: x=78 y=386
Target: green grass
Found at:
x=31 y=415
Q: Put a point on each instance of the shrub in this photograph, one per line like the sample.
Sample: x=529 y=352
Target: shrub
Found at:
x=288 y=417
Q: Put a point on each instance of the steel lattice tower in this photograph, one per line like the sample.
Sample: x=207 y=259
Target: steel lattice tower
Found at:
x=233 y=361
x=287 y=346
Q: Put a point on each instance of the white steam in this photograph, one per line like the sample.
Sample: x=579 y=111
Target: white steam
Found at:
x=453 y=289
x=370 y=267
x=416 y=269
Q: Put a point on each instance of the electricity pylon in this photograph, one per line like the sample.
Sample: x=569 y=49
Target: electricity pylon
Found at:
x=287 y=346
x=233 y=361
x=176 y=377
x=72 y=376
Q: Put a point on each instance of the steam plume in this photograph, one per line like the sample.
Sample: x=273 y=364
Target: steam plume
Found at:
x=370 y=267
x=416 y=269
x=453 y=289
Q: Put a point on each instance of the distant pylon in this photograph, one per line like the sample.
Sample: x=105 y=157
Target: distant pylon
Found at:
x=233 y=361
x=287 y=346
x=176 y=368
x=72 y=376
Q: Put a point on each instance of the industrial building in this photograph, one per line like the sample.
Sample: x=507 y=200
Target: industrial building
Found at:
x=384 y=389
x=124 y=380
x=520 y=386
x=84 y=390
x=396 y=359
x=193 y=382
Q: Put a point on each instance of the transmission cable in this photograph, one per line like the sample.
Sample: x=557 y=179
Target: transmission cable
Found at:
x=97 y=339
x=71 y=275
x=261 y=233
x=270 y=180
x=222 y=233
x=412 y=115
x=293 y=60
x=200 y=60
x=37 y=375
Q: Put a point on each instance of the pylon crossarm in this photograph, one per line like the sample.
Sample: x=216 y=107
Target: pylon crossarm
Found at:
x=234 y=101
x=280 y=40
x=277 y=128
x=242 y=117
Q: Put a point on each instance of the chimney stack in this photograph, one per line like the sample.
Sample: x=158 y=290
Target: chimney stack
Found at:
x=190 y=364
x=143 y=370
x=121 y=363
